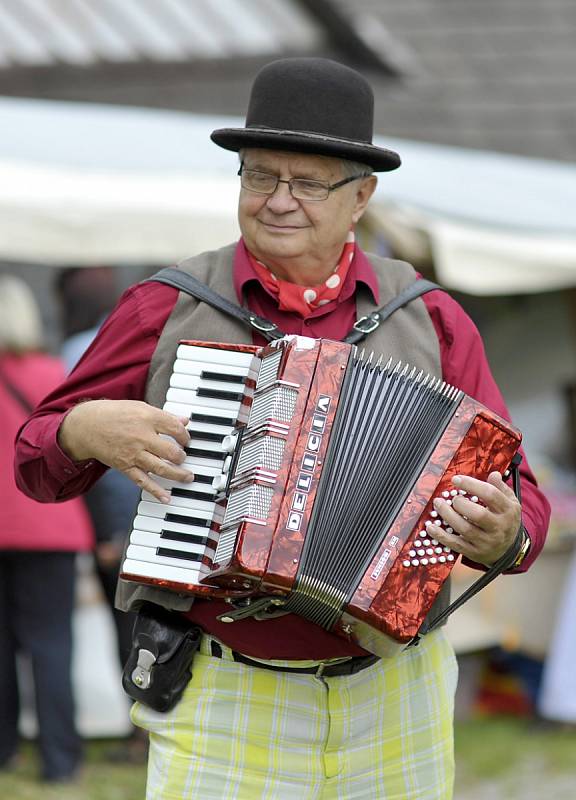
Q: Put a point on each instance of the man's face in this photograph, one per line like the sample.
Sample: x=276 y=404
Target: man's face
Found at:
x=285 y=233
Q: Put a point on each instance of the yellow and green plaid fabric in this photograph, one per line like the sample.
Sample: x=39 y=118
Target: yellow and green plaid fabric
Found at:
x=245 y=733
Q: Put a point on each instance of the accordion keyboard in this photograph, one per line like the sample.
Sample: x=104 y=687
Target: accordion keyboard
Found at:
x=172 y=542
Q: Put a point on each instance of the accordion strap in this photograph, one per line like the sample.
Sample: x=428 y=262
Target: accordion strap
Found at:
x=361 y=328
x=504 y=562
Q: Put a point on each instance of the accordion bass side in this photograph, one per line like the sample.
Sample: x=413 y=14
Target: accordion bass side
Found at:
x=318 y=493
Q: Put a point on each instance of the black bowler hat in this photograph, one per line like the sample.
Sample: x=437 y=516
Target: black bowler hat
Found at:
x=311 y=105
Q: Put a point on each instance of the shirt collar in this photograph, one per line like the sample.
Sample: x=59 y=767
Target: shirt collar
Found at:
x=360 y=271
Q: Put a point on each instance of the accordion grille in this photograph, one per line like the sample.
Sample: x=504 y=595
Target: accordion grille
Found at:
x=269 y=367
x=277 y=403
x=253 y=501
x=226 y=544
x=265 y=452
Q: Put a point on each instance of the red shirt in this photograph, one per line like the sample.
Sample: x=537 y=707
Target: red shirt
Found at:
x=116 y=365
x=24 y=523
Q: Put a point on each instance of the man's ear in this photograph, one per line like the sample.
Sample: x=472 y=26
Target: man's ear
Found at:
x=366 y=189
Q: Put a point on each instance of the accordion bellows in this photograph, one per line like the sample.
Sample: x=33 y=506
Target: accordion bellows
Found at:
x=314 y=492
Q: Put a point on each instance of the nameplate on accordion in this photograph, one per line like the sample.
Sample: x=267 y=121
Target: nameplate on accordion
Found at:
x=316 y=468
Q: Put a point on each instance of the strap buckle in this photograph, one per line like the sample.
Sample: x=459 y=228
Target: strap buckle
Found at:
x=367 y=324
x=264 y=325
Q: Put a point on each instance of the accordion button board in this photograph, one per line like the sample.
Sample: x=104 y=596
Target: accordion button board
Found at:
x=315 y=471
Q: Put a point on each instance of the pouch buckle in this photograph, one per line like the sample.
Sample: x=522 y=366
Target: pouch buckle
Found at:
x=142 y=673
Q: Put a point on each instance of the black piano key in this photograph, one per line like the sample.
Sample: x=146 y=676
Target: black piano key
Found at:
x=199 y=453
x=183 y=554
x=205 y=436
x=196 y=417
x=217 y=376
x=199 y=478
x=178 y=536
x=185 y=520
x=218 y=394
x=193 y=495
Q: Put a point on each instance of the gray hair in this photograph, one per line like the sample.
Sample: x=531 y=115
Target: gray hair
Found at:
x=20 y=322
x=350 y=168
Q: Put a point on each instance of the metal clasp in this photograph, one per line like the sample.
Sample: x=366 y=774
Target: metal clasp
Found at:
x=264 y=325
x=141 y=675
x=367 y=324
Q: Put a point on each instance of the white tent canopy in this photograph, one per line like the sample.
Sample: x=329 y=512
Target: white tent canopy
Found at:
x=86 y=184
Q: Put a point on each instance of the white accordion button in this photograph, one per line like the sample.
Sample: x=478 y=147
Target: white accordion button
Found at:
x=421 y=552
x=434 y=514
x=429 y=551
x=229 y=443
x=442 y=559
x=219 y=482
x=406 y=563
x=474 y=498
x=454 y=492
x=433 y=560
x=450 y=557
x=445 y=494
x=426 y=542
x=412 y=553
x=415 y=562
x=417 y=543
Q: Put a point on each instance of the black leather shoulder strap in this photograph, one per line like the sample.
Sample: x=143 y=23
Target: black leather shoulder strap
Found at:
x=361 y=328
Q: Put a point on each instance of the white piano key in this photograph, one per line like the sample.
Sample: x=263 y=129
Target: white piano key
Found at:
x=177 y=574
x=178 y=505
x=152 y=508
x=157 y=525
x=139 y=553
x=152 y=539
x=214 y=355
x=193 y=382
x=195 y=463
x=196 y=443
x=188 y=397
x=208 y=427
x=185 y=367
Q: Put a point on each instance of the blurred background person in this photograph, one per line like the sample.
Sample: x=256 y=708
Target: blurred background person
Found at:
x=38 y=547
x=86 y=296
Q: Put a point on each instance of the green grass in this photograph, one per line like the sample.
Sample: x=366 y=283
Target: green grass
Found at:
x=498 y=747
x=492 y=749
x=99 y=780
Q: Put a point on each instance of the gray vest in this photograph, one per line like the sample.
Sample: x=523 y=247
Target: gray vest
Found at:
x=408 y=336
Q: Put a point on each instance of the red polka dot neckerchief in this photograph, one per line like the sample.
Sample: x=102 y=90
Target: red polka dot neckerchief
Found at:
x=303 y=300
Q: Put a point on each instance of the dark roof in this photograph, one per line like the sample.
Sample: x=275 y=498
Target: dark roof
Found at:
x=489 y=74
x=493 y=74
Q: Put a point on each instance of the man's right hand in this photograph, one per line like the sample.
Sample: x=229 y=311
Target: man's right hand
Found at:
x=125 y=434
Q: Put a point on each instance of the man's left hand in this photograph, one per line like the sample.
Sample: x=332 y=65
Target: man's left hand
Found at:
x=483 y=528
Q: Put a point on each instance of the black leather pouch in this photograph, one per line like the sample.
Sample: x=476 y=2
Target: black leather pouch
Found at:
x=159 y=666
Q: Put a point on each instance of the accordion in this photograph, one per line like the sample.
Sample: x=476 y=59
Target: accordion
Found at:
x=316 y=467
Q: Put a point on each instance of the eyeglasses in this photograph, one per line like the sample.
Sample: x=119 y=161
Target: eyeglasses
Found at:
x=300 y=188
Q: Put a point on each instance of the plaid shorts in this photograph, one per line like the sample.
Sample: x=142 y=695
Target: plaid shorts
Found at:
x=245 y=733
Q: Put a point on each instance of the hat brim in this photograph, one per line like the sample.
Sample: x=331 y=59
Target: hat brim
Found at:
x=379 y=158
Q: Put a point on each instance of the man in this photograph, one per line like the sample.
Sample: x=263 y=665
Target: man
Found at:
x=259 y=719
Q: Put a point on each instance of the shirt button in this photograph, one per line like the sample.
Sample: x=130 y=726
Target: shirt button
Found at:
x=67 y=471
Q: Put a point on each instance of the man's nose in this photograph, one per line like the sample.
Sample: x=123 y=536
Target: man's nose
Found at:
x=281 y=200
